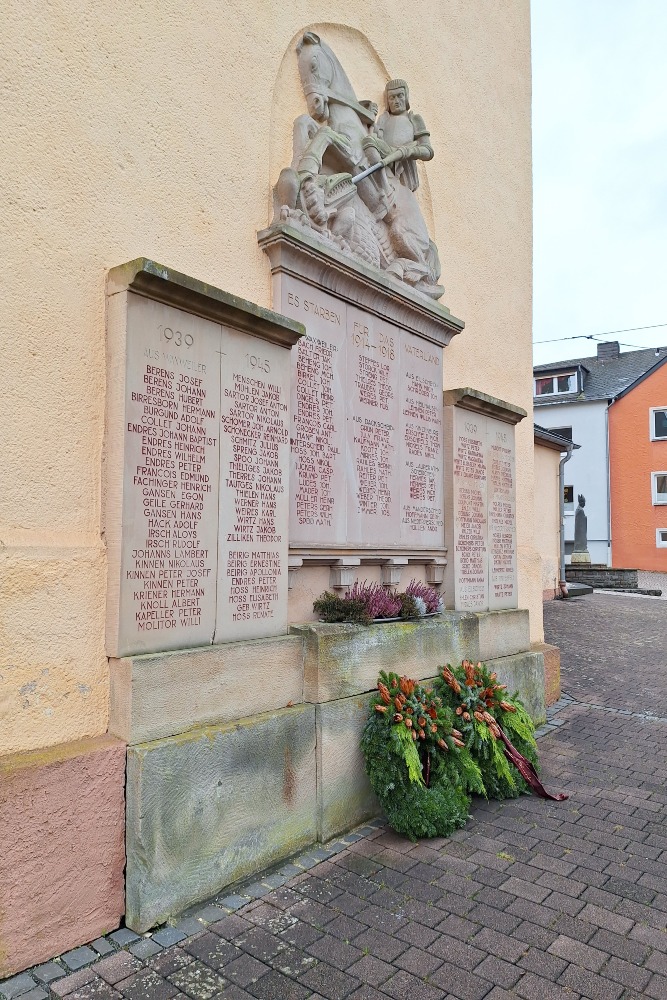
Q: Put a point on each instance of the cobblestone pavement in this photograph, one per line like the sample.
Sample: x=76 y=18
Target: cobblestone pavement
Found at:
x=538 y=900
x=613 y=650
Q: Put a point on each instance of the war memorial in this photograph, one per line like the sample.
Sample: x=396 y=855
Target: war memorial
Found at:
x=255 y=452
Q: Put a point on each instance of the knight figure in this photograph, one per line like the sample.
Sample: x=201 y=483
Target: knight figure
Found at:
x=352 y=178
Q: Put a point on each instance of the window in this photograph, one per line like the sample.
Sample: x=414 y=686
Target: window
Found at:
x=659 y=487
x=658 y=423
x=565 y=432
x=661 y=538
x=553 y=385
x=568 y=499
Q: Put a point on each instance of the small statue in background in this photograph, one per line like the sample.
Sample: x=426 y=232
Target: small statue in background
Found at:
x=580 y=553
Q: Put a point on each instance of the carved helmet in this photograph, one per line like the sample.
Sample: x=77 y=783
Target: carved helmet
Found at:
x=397 y=85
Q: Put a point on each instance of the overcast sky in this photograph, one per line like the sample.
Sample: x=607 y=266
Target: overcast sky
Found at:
x=600 y=172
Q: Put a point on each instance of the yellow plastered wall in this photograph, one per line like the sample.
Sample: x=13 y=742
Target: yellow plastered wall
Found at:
x=141 y=129
x=547 y=516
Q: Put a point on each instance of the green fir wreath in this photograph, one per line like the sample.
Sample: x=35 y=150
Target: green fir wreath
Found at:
x=416 y=761
x=482 y=707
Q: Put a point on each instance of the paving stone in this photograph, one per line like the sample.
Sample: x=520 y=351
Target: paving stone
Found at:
x=334 y=951
x=543 y=964
x=626 y=974
x=198 y=981
x=78 y=958
x=212 y=949
x=371 y=970
x=590 y=985
x=97 y=989
x=499 y=972
x=145 y=948
x=657 y=988
x=102 y=946
x=293 y=962
x=46 y=973
x=330 y=982
x=273 y=986
x=234 y=901
x=245 y=970
x=168 y=961
x=463 y=984
x=16 y=986
x=404 y=985
x=621 y=947
x=189 y=926
x=147 y=985
x=533 y=987
x=167 y=936
x=63 y=987
x=123 y=936
x=38 y=993
x=117 y=967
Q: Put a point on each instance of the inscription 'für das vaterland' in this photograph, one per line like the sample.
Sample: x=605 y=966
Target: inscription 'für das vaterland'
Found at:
x=366 y=435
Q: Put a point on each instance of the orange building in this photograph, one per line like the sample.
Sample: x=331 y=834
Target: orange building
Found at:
x=638 y=472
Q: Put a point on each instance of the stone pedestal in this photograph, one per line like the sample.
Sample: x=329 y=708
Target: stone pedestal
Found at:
x=580 y=558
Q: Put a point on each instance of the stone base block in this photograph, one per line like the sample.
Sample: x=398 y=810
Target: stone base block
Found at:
x=502 y=633
x=524 y=673
x=62 y=856
x=345 y=660
x=163 y=694
x=344 y=795
x=551 y=656
x=211 y=806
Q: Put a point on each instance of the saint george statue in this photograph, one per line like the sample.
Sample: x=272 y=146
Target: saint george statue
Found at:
x=352 y=181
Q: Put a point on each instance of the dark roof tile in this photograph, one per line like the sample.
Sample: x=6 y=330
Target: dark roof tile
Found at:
x=604 y=378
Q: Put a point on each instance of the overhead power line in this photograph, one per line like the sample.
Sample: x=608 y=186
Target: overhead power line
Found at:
x=608 y=333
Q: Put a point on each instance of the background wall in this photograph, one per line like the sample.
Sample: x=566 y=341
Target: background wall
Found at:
x=138 y=129
x=587 y=470
x=547 y=517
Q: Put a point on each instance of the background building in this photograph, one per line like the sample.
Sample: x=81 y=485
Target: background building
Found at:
x=574 y=399
x=638 y=476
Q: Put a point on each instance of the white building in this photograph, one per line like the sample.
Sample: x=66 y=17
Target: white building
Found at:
x=572 y=398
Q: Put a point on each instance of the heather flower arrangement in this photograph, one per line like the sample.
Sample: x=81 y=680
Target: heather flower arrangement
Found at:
x=489 y=718
x=416 y=760
x=367 y=602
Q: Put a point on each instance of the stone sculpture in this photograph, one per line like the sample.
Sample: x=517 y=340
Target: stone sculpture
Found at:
x=580 y=552
x=352 y=179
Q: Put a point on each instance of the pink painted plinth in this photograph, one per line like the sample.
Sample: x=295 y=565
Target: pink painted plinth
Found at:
x=62 y=817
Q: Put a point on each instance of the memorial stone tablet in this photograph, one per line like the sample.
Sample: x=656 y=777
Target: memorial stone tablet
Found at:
x=168 y=556
x=469 y=483
x=196 y=465
x=254 y=488
x=481 y=574
x=420 y=406
x=317 y=466
x=500 y=463
x=366 y=435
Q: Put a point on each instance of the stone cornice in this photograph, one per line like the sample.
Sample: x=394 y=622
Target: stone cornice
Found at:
x=479 y=402
x=301 y=255
x=155 y=281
